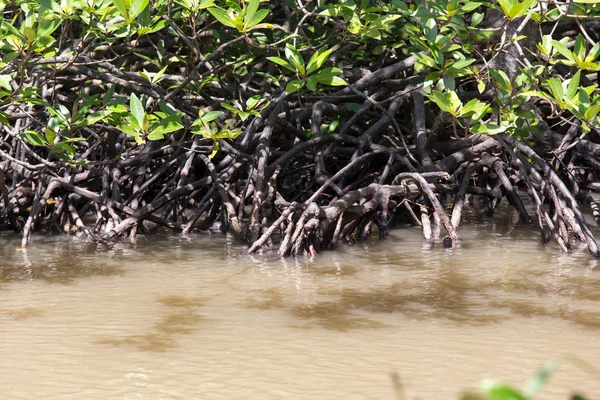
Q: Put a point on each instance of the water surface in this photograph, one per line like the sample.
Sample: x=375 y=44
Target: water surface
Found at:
x=197 y=318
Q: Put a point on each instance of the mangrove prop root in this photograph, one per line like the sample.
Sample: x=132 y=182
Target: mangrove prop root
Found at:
x=323 y=217
x=299 y=174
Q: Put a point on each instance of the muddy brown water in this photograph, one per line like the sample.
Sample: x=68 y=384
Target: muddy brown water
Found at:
x=197 y=318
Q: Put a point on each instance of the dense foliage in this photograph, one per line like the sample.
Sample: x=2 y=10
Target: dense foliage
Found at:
x=309 y=122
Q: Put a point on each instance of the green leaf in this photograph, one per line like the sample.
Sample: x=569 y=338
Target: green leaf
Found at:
x=62 y=147
x=294 y=85
x=556 y=88
x=53 y=124
x=282 y=62
x=229 y=107
x=50 y=5
x=463 y=63
x=373 y=33
x=128 y=130
x=317 y=60
x=545 y=45
x=525 y=114
x=442 y=101
x=502 y=80
x=593 y=53
x=311 y=83
x=211 y=116
x=136 y=7
x=519 y=9
x=167 y=108
x=562 y=49
x=592 y=111
x=295 y=58
x=120 y=4
x=534 y=93
x=95 y=117
x=579 y=48
x=470 y=6
x=487 y=129
x=481 y=86
x=166 y=126
x=431 y=30
x=449 y=82
x=50 y=135
x=431 y=79
x=474 y=106
x=228 y=134
x=47 y=27
x=573 y=86
x=34 y=138
x=506 y=6
x=29 y=34
x=222 y=16
x=476 y=18
x=330 y=76
x=5 y=82
x=250 y=10
x=215 y=150
x=503 y=392
x=253 y=101
x=244 y=115
x=62 y=116
x=426 y=60
x=257 y=19
x=137 y=110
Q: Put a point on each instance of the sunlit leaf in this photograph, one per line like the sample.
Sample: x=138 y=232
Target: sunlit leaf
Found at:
x=487 y=129
x=562 y=49
x=136 y=7
x=282 y=62
x=64 y=148
x=5 y=82
x=593 y=53
x=253 y=101
x=166 y=126
x=294 y=85
x=573 y=86
x=555 y=88
x=481 y=86
x=50 y=5
x=222 y=16
x=30 y=34
x=592 y=111
x=330 y=76
x=210 y=116
x=137 y=110
x=470 y=6
x=50 y=135
x=95 y=117
x=580 y=49
x=501 y=79
x=442 y=101
x=431 y=30
x=317 y=60
x=311 y=83
x=120 y=4
x=250 y=10
x=128 y=129
x=295 y=58
x=34 y=138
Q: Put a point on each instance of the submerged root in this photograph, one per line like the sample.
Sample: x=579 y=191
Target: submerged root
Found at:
x=368 y=193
